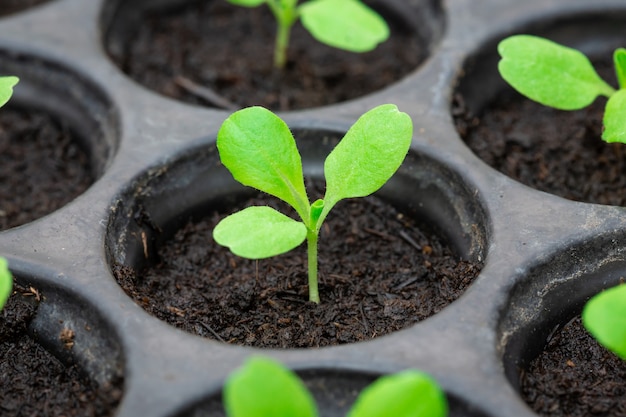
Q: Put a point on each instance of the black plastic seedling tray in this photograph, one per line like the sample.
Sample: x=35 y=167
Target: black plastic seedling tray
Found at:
x=156 y=164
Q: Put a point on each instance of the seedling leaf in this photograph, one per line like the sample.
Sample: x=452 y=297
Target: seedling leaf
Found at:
x=619 y=60
x=247 y=3
x=405 y=394
x=368 y=155
x=6 y=88
x=344 y=24
x=259 y=150
x=549 y=73
x=259 y=232
x=6 y=282
x=604 y=316
x=264 y=388
x=615 y=118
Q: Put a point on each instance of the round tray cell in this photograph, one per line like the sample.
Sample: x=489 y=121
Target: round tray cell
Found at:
x=58 y=135
x=559 y=152
x=557 y=367
x=334 y=391
x=59 y=356
x=215 y=54
x=393 y=259
x=9 y=7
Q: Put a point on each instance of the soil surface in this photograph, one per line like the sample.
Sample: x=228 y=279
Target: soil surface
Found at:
x=378 y=273
x=559 y=152
x=575 y=377
x=32 y=381
x=229 y=50
x=41 y=166
x=8 y=7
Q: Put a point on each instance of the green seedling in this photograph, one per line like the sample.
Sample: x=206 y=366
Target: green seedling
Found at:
x=264 y=388
x=6 y=88
x=6 y=282
x=260 y=151
x=343 y=24
x=564 y=78
x=604 y=316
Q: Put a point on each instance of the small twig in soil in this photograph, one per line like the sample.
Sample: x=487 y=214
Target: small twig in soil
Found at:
x=379 y=234
x=410 y=240
x=406 y=283
x=213 y=332
x=205 y=93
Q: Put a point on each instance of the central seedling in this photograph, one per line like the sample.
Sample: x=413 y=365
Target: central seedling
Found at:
x=259 y=150
x=343 y=24
x=561 y=77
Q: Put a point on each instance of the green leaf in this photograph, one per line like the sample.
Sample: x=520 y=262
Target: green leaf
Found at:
x=6 y=88
x=406 y=394
x=344 y=24
x=259 y=232
x=615 y=118
x=6 y=282
x=604 y=316
x=368 y=155
x=264 y=388
x=260 y=151
x=619 y=60
x=549 y=73
x=247 y=3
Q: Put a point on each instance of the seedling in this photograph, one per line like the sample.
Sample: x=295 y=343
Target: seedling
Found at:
x=343 y=24
x=564 y=78
x=260 y=151
x=604 y=316
x=6 y=88
x=264 y=388
x=6 y=282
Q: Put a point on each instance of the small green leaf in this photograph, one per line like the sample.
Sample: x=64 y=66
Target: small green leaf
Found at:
x=247 y=3
x=405 y=394
x=259 y=232
x=615 y=118
x=6 y=88
x=264 y=388
x=6 y=282
x=259 y=150
x=368 y=155
x=549 y=73
x=344 y=24
x=604 y=316
x=619 y=60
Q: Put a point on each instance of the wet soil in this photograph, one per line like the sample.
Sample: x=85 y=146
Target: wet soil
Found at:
x=559 y=152
x=182 y=52
x=378 y=273
x=42 y=167
x=8 y=7
x=574 y=376
x=33 y=381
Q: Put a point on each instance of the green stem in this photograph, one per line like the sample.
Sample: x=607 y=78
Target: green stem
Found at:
x=311 y=239
x=282 y=43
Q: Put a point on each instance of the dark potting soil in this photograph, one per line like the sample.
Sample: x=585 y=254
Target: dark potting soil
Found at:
x=574 y=377
x=229 y=50
x=42 y=167
x=35 y=383
x=559 y=152
x=8 y=7
x=378 y=273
